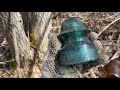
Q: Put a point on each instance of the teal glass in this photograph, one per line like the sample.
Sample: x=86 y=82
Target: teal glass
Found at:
x=76 y=47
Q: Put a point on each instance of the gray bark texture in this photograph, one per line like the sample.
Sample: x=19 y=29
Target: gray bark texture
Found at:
x=12 y=21
x=24 y=30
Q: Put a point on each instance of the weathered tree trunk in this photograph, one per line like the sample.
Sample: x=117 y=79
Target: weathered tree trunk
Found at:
x=38 y=25
x=11 y=24
x=18 y=27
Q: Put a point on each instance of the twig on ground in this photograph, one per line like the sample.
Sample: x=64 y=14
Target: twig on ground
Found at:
x=4 y=53
x=118 y=52
x=115 y=55
x=6 y=62
x=118 y=39
x=92 y=73
x=108 y=26
x=78 y=72
x=116 y=14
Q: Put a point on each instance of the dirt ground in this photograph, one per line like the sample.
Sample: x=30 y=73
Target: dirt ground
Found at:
x=97 y=21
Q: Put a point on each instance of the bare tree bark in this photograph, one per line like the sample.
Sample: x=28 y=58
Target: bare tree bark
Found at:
x=18 y=27
x=22 y=40
x=13 y=27
x=40 y=27
x=37 y=26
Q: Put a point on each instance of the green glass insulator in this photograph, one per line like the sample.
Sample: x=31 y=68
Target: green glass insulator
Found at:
x=76 y=47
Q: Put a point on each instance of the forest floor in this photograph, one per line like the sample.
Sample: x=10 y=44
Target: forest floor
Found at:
x=97 y=21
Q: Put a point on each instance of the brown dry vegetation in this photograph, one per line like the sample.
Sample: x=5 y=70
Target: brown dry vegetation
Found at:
x=108 y=22
x=96 y=21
